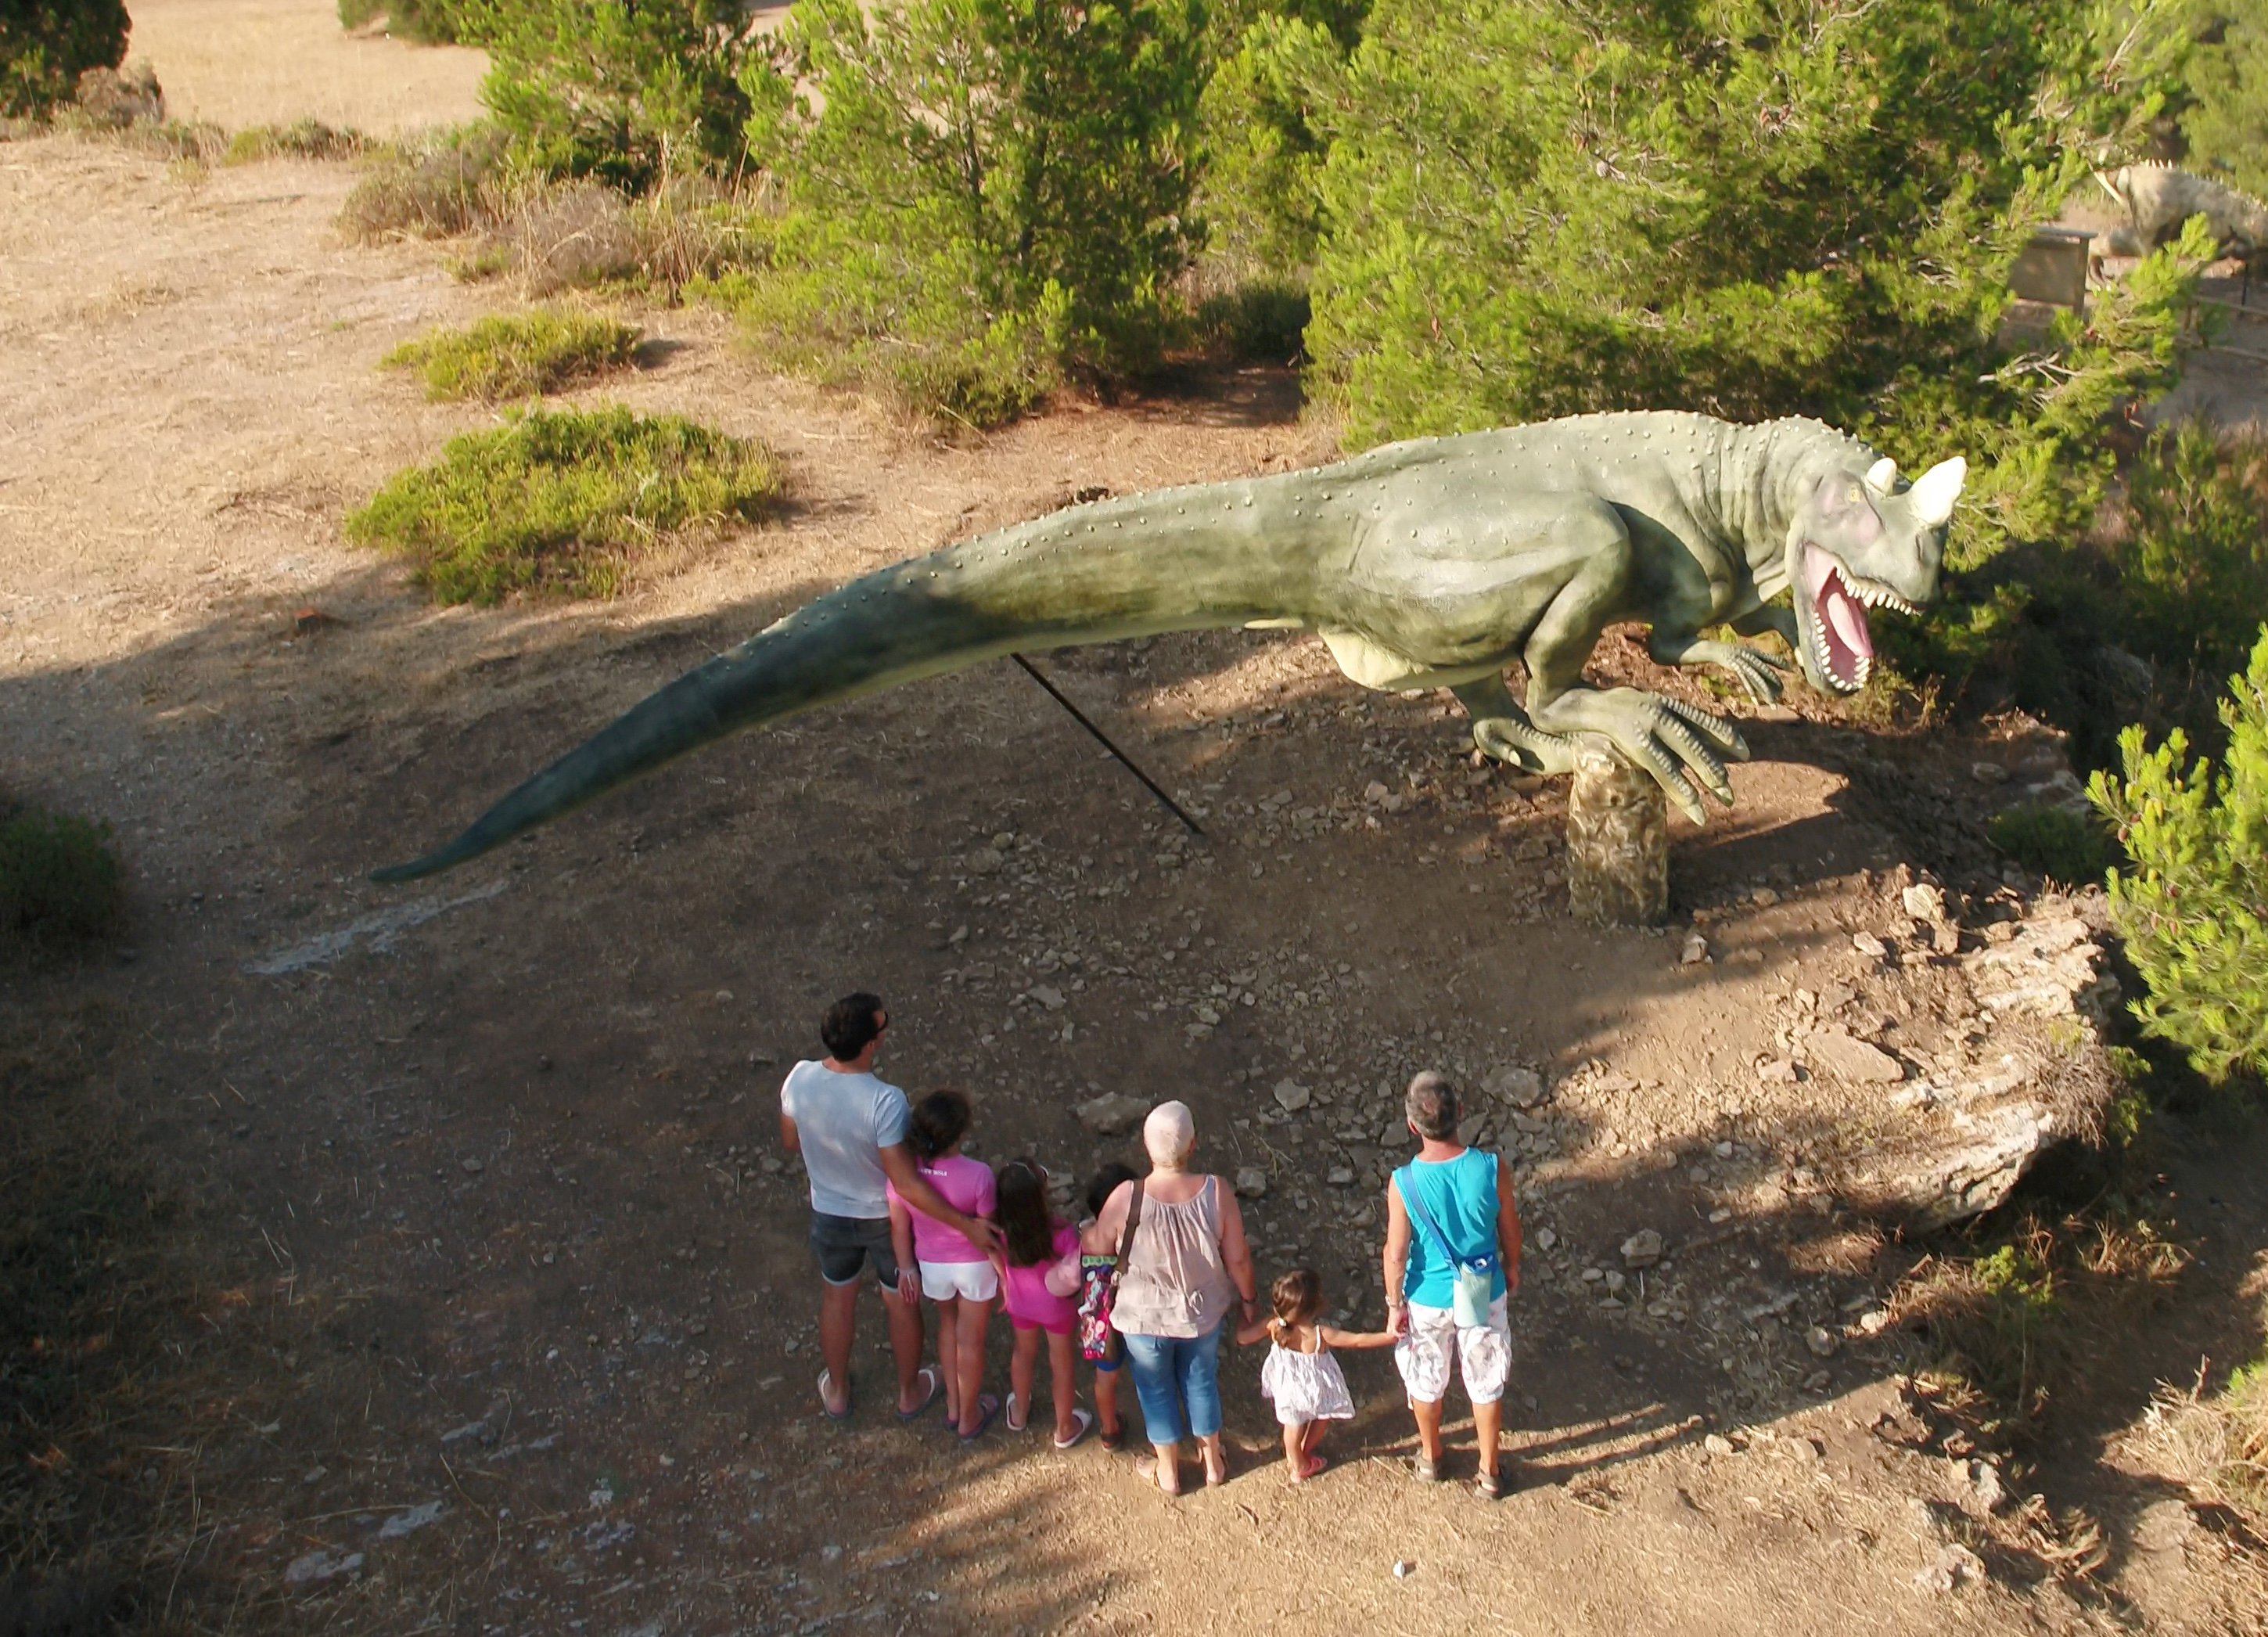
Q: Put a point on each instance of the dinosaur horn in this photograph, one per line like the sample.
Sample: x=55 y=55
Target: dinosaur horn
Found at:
x=1935 y=491
x=1882 y=474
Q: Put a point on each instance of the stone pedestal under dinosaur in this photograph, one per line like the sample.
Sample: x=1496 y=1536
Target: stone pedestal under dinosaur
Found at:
x=1434 y=562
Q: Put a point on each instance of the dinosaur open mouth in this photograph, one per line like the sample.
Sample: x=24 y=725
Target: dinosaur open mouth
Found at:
x=1837 y=626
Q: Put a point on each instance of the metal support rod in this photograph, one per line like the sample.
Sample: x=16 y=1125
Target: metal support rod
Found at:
x=1103 y=738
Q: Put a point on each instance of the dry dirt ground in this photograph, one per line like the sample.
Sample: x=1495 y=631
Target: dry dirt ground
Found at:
x=495 y=1158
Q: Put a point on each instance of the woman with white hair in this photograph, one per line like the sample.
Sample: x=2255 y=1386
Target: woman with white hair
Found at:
x=1183 y=1264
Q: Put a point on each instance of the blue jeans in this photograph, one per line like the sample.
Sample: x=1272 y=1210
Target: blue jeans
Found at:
x=1171 y=1372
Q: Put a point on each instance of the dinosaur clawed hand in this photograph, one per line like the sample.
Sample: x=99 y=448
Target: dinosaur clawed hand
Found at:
x=1680 y=745
x=1758 y=673
x=1512 y=740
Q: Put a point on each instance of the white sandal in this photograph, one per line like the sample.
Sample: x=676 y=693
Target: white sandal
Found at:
x=1018 y=1414
x=1086 y=1421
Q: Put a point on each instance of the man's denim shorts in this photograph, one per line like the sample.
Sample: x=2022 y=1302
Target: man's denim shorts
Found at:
x=845 y=1244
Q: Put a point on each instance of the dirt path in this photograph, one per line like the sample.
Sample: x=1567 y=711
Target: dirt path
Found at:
x=506 y=1155
x=239 y=63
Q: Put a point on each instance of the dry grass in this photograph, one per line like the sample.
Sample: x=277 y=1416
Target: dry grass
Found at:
x=2215 y=1444
x=2020 y=1325
x=128 y=1353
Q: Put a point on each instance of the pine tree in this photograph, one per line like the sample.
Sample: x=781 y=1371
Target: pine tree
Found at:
x=2226 y=126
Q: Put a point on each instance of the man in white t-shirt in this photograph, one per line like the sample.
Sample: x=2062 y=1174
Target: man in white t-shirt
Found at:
x=849 y=1127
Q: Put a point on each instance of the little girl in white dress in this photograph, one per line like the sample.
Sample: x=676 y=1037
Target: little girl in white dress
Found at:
x=1300 y=1376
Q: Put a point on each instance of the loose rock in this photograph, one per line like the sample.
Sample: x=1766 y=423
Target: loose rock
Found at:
x=1521 y=1087
x=1848 y=1057
x=1251 y=1183
x=1111 y=1113
x=1642 y=1248
x=318 y=1567
x=1292 y=1096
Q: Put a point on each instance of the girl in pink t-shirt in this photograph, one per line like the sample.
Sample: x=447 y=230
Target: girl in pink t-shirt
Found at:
x=940 y=1262
x=1040 y=1276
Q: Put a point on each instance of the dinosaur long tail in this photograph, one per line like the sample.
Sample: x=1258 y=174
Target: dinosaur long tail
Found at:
x=1177 y=560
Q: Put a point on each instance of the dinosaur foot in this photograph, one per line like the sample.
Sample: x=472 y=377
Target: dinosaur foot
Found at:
x=1680 y=745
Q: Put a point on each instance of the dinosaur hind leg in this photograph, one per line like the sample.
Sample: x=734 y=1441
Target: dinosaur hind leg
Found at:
x=1501 y=730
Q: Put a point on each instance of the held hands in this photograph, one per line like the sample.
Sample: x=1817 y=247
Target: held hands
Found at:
x=1398 y=1320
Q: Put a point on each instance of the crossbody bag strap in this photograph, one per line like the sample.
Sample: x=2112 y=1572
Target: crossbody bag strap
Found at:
x=1425 y=1219
x=1133 y=1216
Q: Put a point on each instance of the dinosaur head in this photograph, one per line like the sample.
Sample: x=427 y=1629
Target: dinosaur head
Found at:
x=1861 y=540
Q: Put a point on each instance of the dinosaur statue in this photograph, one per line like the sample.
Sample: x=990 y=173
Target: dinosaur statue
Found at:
x=1430 y=564
x=2158 y=198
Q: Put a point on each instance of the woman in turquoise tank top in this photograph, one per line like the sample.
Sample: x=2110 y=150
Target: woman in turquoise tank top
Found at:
x=1452 y=1262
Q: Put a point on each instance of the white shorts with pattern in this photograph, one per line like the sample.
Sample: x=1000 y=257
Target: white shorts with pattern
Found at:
x=1483 y=1354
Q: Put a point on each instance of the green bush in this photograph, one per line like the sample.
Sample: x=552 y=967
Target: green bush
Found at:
x=424 y=22
x=1540 y=208
x=2193 y=908
x=567 y=502
x=2069 y=848
x=306 y=139
x=2225 y=126
x=977 y=195
x=2193 y=570
x=625 y=90
x=60 y=877
x=46 y=45
x=518 y=355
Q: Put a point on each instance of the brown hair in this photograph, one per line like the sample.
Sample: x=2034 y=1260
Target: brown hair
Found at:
x=1297 y=1296
x=940 y=1120
x=1027 y=1231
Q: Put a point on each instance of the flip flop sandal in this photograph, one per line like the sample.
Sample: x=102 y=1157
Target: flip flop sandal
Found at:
x=991 y=1406
x=1018 y=1414
x=1113 y=1441
x=1146 y=1468
x=1488 y=1485
x=928 y=1375
x=1083 y=1421
x=843 y=1414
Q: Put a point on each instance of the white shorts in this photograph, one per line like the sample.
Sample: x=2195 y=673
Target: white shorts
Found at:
x=1484 y=1355
x=970 y=1281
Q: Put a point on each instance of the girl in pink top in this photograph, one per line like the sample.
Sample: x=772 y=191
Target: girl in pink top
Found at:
x=1040 y=1275
x=937 y=1261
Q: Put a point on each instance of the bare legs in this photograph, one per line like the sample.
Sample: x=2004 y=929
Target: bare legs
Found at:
x=838 y=1317
x=1487 y=1431
x=905 y=1346
x=1106 y=1404
x=964 y=1360
x=1299 y=1457
x=1023 y=1365
x=838 y=1314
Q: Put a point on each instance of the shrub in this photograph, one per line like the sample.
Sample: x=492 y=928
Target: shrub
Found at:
x=1536 y=209
x=2024 y=1312
x=520 y=355
x=978 y=194
x=46 y=45
x=2225 y=126
x=624 y=90
x=2193 y=909
x=2192 y=571
x=426 y=22
x=2069 y=848
x=60 y=877
x=566 y=502
x=435 y=188
x=307 y=139
x=112 y=100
